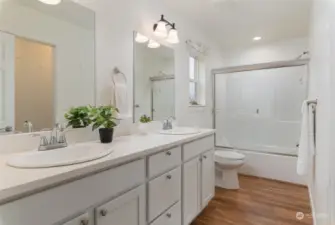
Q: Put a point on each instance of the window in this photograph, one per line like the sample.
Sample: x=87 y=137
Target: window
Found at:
x=194 y=80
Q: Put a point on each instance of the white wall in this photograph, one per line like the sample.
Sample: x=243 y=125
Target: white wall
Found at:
x=116 y=21
x=322 y=85
x=74 y=51
x=267 y=52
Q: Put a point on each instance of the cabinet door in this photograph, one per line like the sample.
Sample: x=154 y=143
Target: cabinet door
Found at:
x=83 y=219
x=191 y=190
x=129 y=209
x=207 y=178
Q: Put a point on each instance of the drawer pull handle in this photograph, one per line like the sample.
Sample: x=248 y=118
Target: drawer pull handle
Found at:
x=205 y=157
x=169 y=215
x=84 y=222
x=103 y=212
x=168 y=153
x=169 y=177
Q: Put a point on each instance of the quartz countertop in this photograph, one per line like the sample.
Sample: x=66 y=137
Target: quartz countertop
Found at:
x=16 y=183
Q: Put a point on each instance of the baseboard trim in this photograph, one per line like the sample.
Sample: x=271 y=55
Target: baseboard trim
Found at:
x=311 y=199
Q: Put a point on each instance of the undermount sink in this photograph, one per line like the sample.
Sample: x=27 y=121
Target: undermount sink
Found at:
x=70 y=155
x=180 y=131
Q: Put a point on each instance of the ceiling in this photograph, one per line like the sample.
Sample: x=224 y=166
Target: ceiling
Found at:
x=234 y=23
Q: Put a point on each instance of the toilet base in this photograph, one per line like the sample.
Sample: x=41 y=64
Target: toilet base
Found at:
x=227 y=179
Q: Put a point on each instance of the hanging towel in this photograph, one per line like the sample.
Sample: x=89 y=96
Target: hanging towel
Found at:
x=119 y=96
x=306 y=145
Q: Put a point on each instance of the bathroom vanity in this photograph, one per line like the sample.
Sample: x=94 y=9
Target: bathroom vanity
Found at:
x=151 y=179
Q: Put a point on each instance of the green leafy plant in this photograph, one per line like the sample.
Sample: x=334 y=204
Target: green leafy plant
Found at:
x=104 y=117
x=145 y=119
x=78 y=117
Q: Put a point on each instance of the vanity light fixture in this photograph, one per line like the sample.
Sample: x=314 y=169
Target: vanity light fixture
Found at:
x=51 y=2
x=153 y=44
x=140 y=38
x=173 y=35
x=161 y=30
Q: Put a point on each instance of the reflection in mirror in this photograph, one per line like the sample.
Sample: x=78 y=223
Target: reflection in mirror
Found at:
x=154 y=83
x=47 y=64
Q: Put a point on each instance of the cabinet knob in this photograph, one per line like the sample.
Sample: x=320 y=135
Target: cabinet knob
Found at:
x=168 y=177
x=103 y=212
x=168 y=153
x=84 y=222
x=168 y=215
x=205 y=157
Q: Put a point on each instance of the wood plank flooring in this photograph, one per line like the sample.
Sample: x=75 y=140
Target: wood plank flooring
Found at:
x=258 y=202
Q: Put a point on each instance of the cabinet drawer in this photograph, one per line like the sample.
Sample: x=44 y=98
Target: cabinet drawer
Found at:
x=164 y=161
x=164 y=191
x=83 y=219
x=172 y=216
x=197 y=147
x=56 y=204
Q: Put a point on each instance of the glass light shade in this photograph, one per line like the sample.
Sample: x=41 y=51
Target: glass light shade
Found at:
x=51 y=2
x=161 y=29
x=141 y=38
x=173 y=37
x=153 y=44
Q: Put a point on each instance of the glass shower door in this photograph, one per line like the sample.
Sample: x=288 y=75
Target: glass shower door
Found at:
x=260 y=110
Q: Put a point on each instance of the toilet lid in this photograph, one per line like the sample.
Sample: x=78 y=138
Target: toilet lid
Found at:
x=229 y=155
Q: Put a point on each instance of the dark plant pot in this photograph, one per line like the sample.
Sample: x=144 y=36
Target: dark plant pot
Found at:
x=106 y=135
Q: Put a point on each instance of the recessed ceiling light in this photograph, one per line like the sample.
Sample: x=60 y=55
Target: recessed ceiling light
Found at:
x=257 y=38
x=51 y=2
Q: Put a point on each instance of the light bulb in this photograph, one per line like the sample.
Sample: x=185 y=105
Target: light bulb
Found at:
x=153 y=44
x=141 y=38
x=173 y=37
x=160 y=30
x=51 y=2
x=257 y=38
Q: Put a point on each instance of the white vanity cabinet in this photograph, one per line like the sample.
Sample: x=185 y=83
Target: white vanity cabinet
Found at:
x=198 y=177
x=129 y=209
x=168 y=187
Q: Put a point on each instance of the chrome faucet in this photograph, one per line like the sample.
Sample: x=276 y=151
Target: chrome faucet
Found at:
x=29 y=125
x=167 y=124
x=57 y=139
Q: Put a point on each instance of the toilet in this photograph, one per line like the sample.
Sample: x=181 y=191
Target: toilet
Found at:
x=227 y=163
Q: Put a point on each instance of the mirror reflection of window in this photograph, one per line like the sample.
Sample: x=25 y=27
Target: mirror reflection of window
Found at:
x=197 y=76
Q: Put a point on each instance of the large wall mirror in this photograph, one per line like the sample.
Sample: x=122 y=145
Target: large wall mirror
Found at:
x=47 y=62
x=154 y=81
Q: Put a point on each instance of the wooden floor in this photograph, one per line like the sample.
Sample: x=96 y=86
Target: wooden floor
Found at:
x=258 y=202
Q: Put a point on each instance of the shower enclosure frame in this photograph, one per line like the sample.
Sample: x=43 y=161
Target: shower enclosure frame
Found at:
x=252 y=67
x=158 y=78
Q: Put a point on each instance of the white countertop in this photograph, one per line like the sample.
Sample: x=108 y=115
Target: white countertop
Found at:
x=15 y=183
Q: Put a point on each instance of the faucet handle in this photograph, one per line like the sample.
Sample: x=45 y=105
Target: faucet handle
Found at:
x=43 y=141
x=62 y=138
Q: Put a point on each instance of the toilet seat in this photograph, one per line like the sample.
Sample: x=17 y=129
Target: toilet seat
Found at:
x=229 y=155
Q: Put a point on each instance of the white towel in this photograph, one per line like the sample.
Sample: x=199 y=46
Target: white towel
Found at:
x=306 y=145
x=120 y=95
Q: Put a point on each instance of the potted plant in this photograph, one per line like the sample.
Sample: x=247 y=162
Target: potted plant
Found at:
x=143 y=125
x=104 y=118
x=78 y=117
